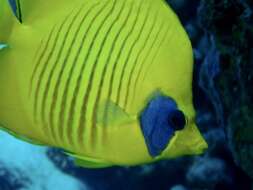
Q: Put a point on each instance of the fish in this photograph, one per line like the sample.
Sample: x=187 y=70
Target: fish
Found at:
x=109 y=82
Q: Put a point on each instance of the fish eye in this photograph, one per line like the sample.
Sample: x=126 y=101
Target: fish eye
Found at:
x=177 y=120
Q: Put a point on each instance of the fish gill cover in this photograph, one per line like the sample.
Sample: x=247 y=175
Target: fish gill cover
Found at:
x=222 y=37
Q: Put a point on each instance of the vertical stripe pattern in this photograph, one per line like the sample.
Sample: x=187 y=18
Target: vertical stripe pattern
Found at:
x=53 y=71
x=127 y=61
x=94 y=67
x=77 y=88
x=115 y=64
x=105 y=72
x=143 y=63
x=135 y=63
x=83 y=119
x=66 y=86
x=96 y=53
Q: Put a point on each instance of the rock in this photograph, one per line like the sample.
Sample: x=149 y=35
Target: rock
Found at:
x=230 y=24
x=208 y=173
x=25 y=166
x=178 y=187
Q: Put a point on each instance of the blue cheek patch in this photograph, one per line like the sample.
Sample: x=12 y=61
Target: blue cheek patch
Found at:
x=155 y=126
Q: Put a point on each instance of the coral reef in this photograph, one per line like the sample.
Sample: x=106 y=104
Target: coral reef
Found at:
x=230 y=25
x=26 y=167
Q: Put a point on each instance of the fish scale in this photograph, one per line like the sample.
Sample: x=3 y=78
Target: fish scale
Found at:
x=58 y=71
x=96 y=64
x=128 y=62
x=69 y=74
x=115 y=70
x=81 y=126
x=83 y=79
x=60 y=79
x=51 y=56
x=156 y=51
x=70 y=77
x=100 y=79
x=104 y=73
x=80 y=83
x=140 y=51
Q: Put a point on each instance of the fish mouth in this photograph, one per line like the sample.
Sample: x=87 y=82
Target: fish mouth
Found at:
x=187 y=142
x=198 y=144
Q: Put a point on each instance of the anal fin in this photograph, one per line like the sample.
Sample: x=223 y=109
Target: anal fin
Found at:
x=88 y=162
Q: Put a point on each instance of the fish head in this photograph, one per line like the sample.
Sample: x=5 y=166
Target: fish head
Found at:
x=169 y=129
x=167 y=118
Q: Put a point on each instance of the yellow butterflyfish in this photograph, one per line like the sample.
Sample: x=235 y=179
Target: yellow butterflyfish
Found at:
x=108 y=81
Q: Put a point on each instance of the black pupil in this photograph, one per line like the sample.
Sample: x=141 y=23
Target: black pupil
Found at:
x=177 y=120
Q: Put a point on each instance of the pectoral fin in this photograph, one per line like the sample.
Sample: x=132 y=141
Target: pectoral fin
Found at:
x=111 y=114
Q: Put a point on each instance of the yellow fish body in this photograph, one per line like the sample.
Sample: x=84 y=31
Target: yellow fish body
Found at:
x=108 y=81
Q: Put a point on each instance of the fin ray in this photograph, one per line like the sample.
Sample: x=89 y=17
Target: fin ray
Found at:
x=88 y=162
x=114 y=116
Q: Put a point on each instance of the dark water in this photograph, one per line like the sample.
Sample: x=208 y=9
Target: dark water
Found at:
x=222 y=35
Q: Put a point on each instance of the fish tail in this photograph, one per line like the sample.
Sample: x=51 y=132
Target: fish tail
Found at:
x=7 y=20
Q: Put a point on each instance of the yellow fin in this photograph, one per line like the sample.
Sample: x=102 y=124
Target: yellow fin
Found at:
x=91 y=163
x=111 y=114
x=88 y=162
x=21 y=137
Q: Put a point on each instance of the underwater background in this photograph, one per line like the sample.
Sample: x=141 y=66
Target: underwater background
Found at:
x=221 y=32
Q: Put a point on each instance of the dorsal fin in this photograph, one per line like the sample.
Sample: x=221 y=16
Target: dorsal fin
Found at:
x=16 y=8
x=7 y=19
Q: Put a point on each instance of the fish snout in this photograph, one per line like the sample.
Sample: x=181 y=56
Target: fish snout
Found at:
x=199 y=145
